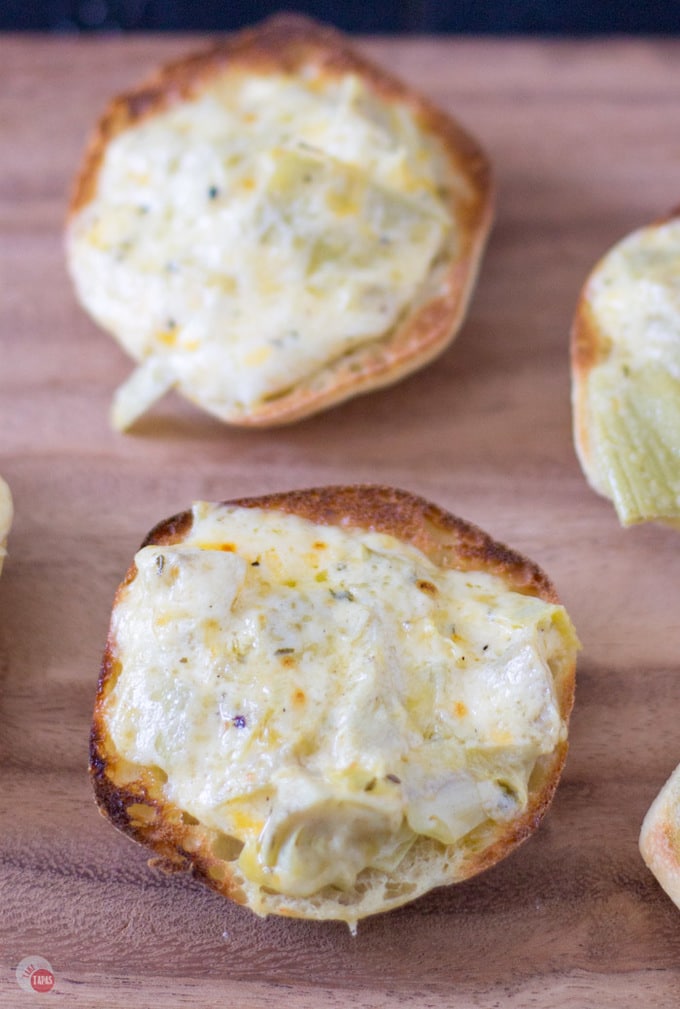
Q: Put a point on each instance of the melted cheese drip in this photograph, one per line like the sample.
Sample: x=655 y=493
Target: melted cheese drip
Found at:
x=327 y=695
x=251 y=236
x=6 y=514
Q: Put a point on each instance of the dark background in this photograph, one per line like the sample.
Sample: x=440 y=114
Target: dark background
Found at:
x=533 y=17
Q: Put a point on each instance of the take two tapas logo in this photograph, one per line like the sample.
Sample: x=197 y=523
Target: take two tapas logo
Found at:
x=35 y=974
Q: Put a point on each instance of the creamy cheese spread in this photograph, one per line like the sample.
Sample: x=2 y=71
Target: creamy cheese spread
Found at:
x=240 y=241
x=326 y=695
x=635 y=294
x=6 y=514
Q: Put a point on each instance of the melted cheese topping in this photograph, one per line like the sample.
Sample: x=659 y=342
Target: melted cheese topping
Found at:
x=6 y=515
x=325 y=696
x=633 y=393
x=635 y=293
x=250 y=236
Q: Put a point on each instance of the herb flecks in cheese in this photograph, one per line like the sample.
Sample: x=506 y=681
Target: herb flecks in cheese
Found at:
x=327 y=695
x=279 y=222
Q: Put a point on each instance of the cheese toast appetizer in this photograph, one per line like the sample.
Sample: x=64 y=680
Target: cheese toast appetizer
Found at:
x=274 y=225
x=325 y=703
x=626 y=375
x=660 y=837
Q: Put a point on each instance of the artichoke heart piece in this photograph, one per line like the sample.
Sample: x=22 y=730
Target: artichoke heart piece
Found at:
x=626 y=375
x=636 y=441
x=144 y=387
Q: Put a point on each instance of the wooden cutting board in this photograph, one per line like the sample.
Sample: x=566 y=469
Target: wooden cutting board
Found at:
x=586 y=142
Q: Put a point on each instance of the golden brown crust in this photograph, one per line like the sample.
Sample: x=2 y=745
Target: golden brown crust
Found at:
x=287 y=43
x=449 y=542
x=284 y=43
x=588 y=348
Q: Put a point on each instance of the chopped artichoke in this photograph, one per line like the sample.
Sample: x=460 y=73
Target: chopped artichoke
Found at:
x=635 y=414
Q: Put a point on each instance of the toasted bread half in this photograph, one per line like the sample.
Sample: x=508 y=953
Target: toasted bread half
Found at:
x=6 y=515
x=626 y=375
x=660 y=837
x=274 y=225
x=324 y=703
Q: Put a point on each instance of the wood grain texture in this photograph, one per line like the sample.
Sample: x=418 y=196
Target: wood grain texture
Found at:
x=584 y=137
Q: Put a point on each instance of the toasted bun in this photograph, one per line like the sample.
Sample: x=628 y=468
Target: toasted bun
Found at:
x=626 y=375
x=385 y=521
x=660 y=837
x=258 y=318
x=6 y=514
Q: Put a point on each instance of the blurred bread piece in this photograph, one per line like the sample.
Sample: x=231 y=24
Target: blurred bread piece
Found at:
x=324 y=703
x=6 y=515
x=626 y=375
x=274 y=225
x=660 y=837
